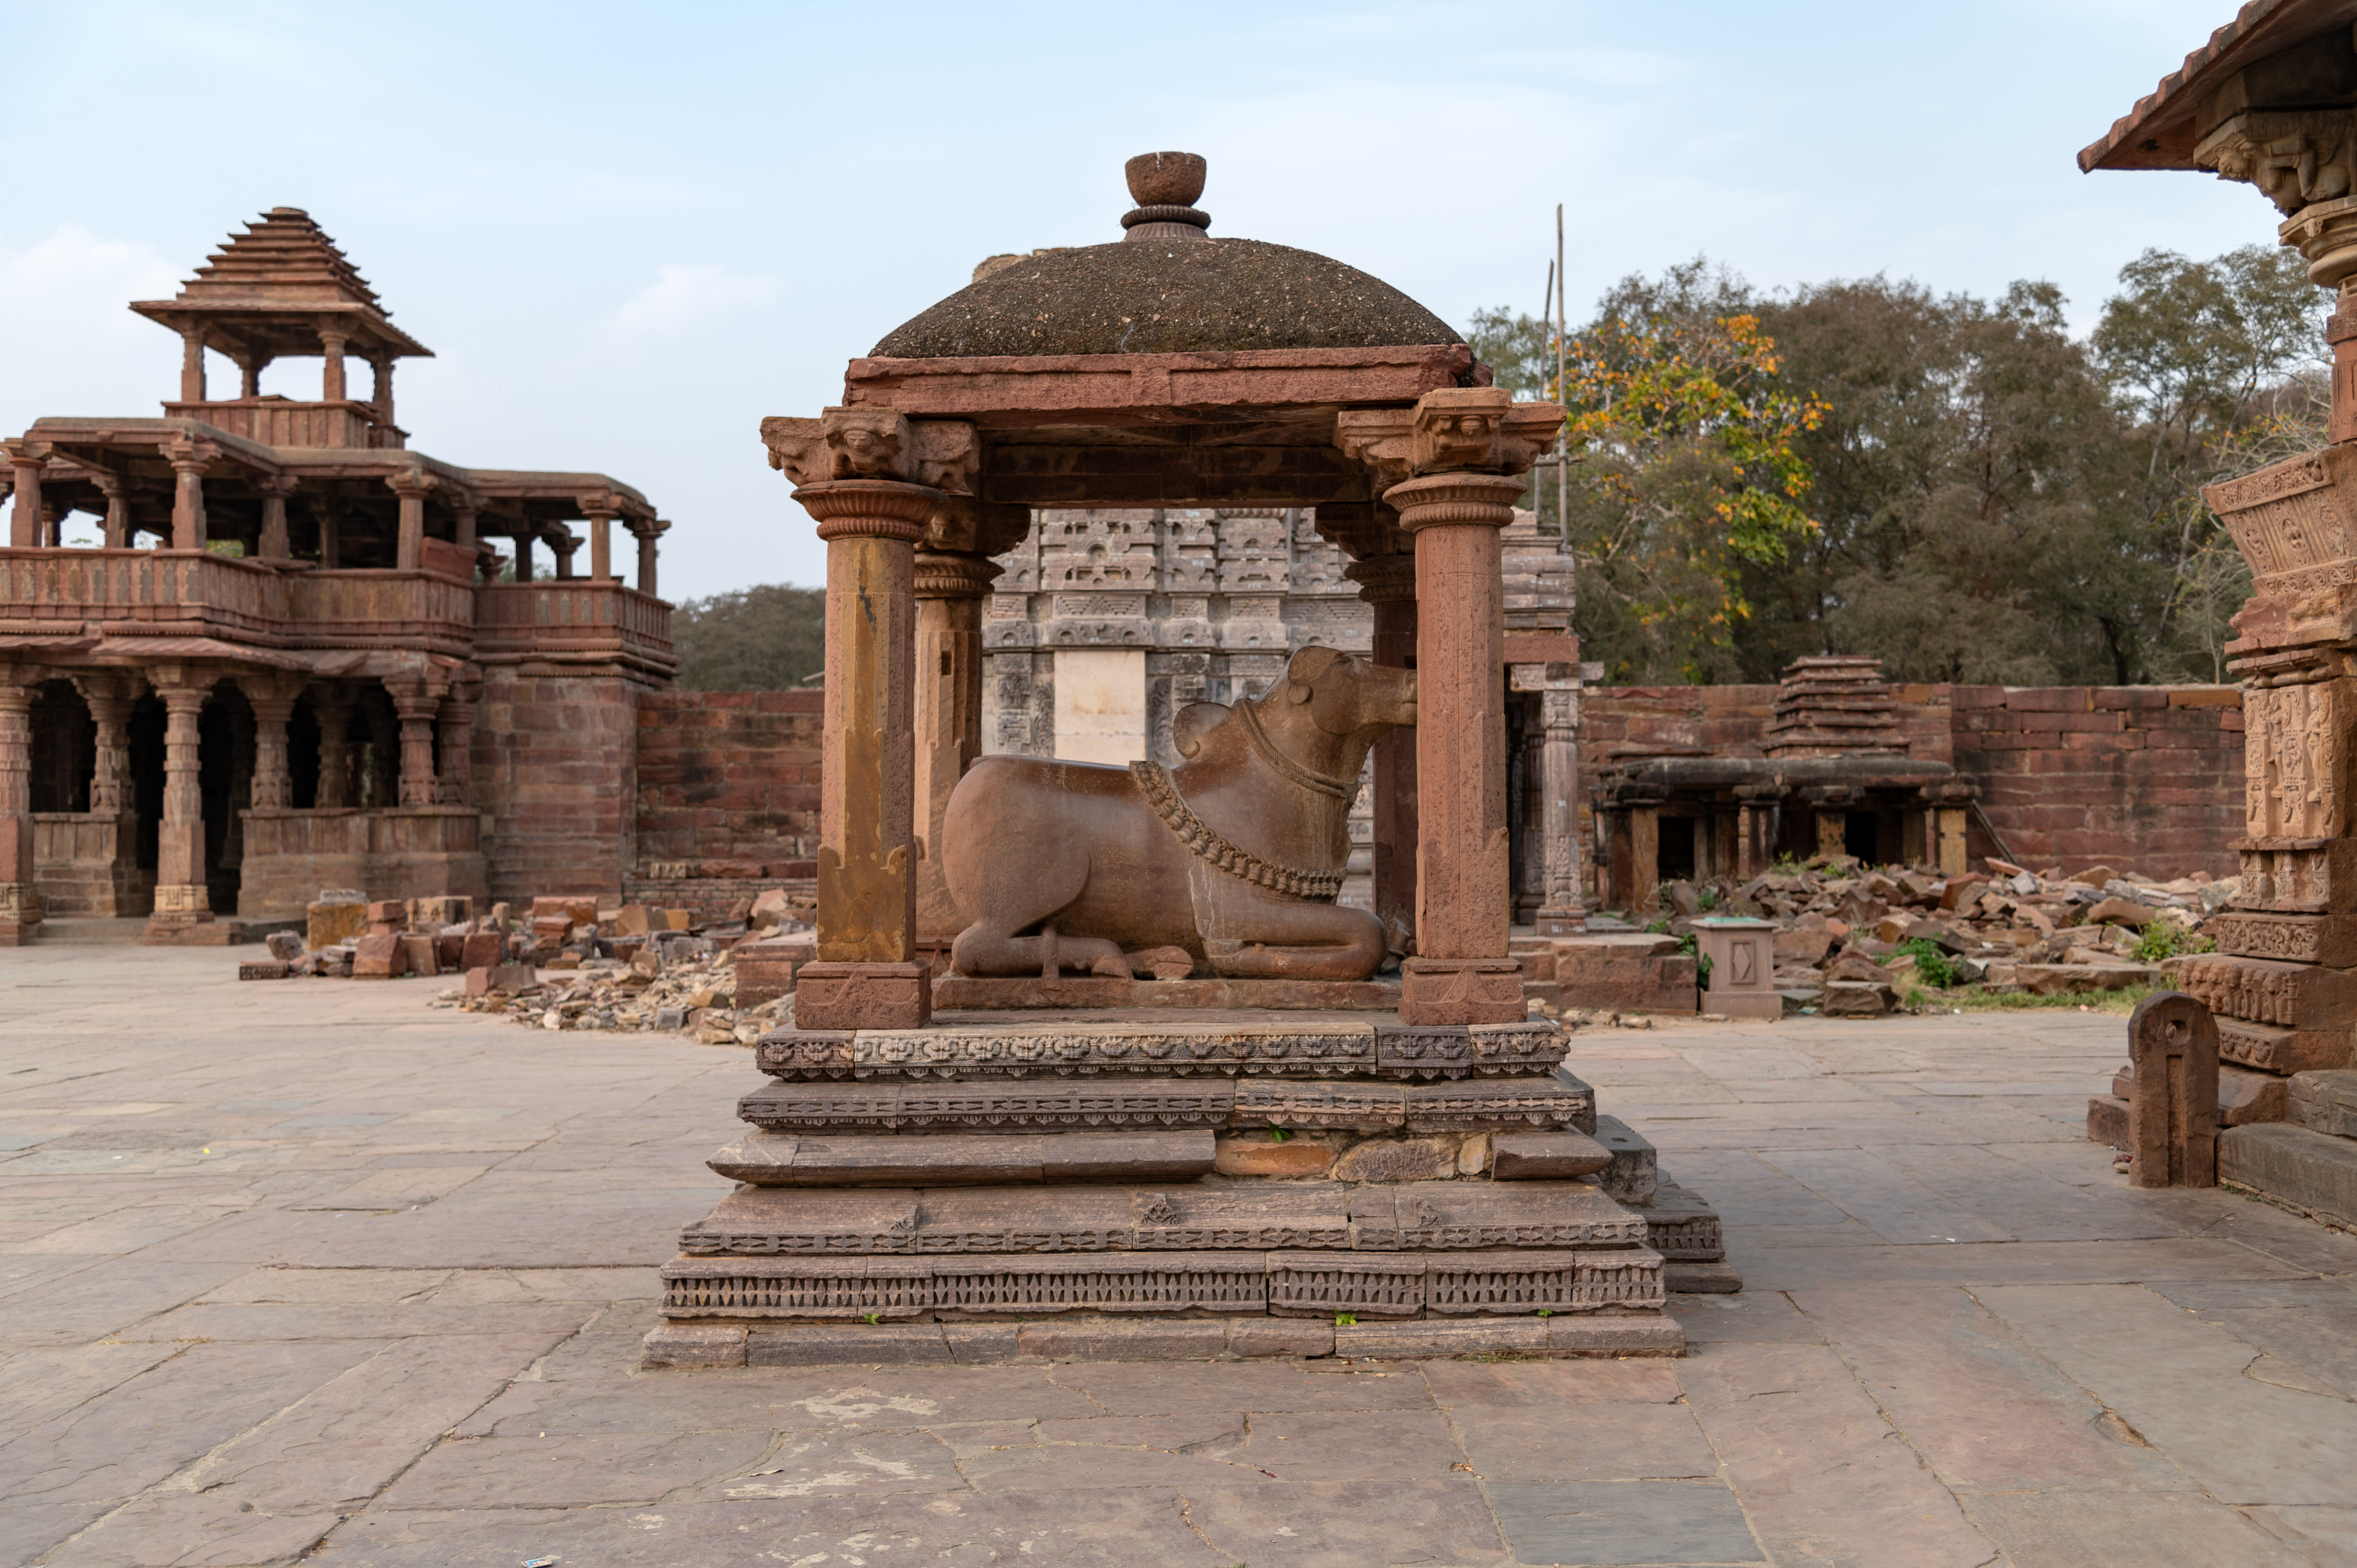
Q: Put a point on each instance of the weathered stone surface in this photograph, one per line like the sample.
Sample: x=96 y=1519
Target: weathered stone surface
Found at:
x=2325 y=1101
x=1357 y=1106
x=2108 y=1119
x=863 y=1344
x=1531 y=1281
x=1635 y=1172
x=676 y=1344
x=758 y=1219
x=2244 y=1096
x=829 y=995
x=329 y=924
x=1020 y=1219
x=2173 y=1092
x=1627 y=1521
x=2265 y=991
x=1546 y=1156
x=883 y=1104
x=1258 y=1154
x=1682 y=1226
x=2295 y=1163
x=1280 y=1337
x=970 y=1051
x=1454 y=1214
x=1499 y=1105
x=2310 y=880
x=1856 y=999
x=963 y=993
x=784 y=1159
x=380 y=957
x=1389 y=1159
x=1630 y=972
x=1300 y=1214
x=2272 y=1048
x=268 y=968
x=2329 y=940
x=1104 y=1340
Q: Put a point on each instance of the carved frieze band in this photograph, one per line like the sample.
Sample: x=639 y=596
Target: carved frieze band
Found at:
x=1176 y=1050
x=2293 y=938
x=1291 y=1283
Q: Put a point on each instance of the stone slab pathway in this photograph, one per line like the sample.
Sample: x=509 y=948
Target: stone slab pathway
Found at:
x=311 y=1270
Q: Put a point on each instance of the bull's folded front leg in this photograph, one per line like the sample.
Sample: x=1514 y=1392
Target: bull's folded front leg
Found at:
x=1265 y=936
x=980 y=950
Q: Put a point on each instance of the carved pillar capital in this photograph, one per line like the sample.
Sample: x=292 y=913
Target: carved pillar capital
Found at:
x=1383 y=579
x=869 y=508
x=942 y=575
x=869 y=442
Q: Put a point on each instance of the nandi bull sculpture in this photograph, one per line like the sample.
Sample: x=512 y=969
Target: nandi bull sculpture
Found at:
x=1229 y=860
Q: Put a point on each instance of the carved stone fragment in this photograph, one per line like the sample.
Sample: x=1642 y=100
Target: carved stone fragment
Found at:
x=1454 y=1214
x=1682 y=1226
x=1633 y=1174
x=2329 y=940
x=1011 y=1104
x=1459 y=1284
x=1496 y=1105
x=2274 y=1049
x=756 y=1219
x=2264 y=990
x=1544 y=1156
x=1279 y=1102
x=1299 y=1214
x=2173 y=1101
x=1087 y=1048
x=1365 y=1284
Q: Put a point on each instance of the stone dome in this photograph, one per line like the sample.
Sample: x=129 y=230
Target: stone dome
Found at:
x=1166 y=288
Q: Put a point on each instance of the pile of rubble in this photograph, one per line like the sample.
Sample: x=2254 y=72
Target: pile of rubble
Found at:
x=1857 y=942
x=565 y=964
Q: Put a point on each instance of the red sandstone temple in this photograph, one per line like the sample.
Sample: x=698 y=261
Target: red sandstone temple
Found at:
x=264 y=675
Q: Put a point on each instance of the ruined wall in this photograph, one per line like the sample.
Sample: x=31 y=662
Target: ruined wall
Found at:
x=728 y=784
x=2146 y=778
x=554 y=776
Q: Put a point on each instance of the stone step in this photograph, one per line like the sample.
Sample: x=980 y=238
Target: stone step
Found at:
x=1091 y=1336
x=1633 y=1176
x=1683 y=1228
x=1309 y=1045
x=2298 y=1165
x=1324 y=1284
x=1546 y=1156
x=757 y=1221
x=1471 y=1105
x=2326 y=1101
x=901 y=1159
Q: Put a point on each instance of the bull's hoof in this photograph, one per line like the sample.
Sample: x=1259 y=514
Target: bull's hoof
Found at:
x=1162 y=963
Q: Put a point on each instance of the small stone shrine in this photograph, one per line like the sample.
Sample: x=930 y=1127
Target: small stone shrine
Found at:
x=2271 y=101
x=1322 y=1161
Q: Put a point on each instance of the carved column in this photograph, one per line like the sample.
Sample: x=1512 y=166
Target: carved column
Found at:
x=20 y=898
x=649 y=532
x=329 y=510
x=249 y=375
x=274 y=488
x=118 y=508
x=562 y=547
x=600 y=510
x=456 y=784
x=1561 y=913
x=271 y=697
x=331 y=705
x=853 y=471
x=331 y=375
x=192 y=364
x=189 y=459
x=1470 y=446
x=521 y=538
x=950 y=589
x=1388 y=583
x=25 y=460
x=418 y=702
x=410 y=485
x=463 y=509
x=180 y=895
x=109 y=698
x=383 y=367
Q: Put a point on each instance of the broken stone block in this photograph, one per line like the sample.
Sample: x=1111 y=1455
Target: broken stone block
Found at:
x=671 y=1018
x=2120 y=912
x=444 y=909
x=512 y=978
x=285 y=946
x=480 y=950
x=1255 y=1155
x=1805 y=947
x=631 y=920
x=679 y=919
x=331 y=922
x=2325 y=1101
x=1546 y=1156
x=379 y=956
x=268 y=968
x=423 y=957
x=449 y=952
x=2246 y=1097
x=574 y=909
x=1635 y=1171
x=1856 y=999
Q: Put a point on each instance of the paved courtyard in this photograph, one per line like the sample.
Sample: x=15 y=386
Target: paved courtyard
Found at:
x=309 y=1269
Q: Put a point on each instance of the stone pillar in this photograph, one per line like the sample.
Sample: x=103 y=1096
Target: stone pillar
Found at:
x=602 y=545
x=331 y=377
x=950 y=589
x=1561 y=913
x=456 y=786
x=25 y=521
x=521 y=538
x=330 y=509
x=1455 y=508
x=249 y=375
x=180 y=895
x=1387 y=583
x=20 y=899
x=118 y=510
x=384 y=365
x=192 y=364
x=648 y=534
x=110 y=698
x=868 y=974
x=418 y=704
x=331 y=705
x=563 y=547
x=410 y=485
x=189 y=460
x=274 y=488
x=271 y=697
x=462 y=507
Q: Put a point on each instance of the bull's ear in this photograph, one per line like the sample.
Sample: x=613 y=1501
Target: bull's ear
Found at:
x=1195 y=721
x=1307 y=668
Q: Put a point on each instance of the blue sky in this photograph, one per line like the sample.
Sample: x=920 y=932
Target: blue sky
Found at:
x=629 y=233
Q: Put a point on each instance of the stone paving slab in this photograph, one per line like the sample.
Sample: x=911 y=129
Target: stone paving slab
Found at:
x=264 y=1296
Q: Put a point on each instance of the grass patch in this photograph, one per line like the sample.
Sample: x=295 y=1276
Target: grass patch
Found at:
x=1976 y=999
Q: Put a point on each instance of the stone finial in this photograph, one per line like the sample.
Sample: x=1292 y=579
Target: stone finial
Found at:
x=1165 y=186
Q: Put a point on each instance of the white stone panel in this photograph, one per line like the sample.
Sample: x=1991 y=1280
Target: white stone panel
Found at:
x=1101 y=705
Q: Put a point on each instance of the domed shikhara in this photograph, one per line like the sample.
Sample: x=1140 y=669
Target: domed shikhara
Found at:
x=1167 y=297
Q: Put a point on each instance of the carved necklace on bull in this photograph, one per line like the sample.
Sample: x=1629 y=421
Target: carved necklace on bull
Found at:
x=1207 y=845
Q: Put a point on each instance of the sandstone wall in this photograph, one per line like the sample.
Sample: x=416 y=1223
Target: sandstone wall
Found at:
x=2141 y=777
x=554 y=773
x=728 y=784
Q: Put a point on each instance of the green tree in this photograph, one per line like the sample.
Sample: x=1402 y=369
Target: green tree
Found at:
x=763 y=638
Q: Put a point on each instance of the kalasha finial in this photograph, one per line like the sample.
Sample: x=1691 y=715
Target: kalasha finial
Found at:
x=1165 y=185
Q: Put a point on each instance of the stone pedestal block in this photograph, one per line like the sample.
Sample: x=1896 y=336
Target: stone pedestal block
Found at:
x=2273 y=1049
x=2298 y=877
x=1461 y=991
x=863 y=996
x=2329 y=939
